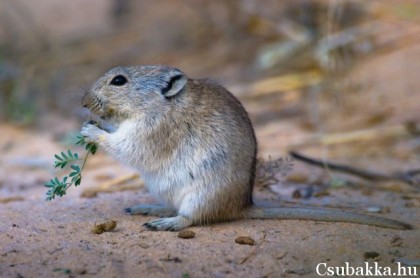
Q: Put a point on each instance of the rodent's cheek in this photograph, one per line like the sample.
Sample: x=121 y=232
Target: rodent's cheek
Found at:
x=150 y=100
x=116 y=90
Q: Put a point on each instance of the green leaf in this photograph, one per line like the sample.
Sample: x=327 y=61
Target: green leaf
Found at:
x=80 y=140
x=75 y=168
x=63 y=164
x=64 y=155
x=59 y=188
x=72 y=174
x=92 y=148
x=74 y=178
x=78 y=181
x=49 y=184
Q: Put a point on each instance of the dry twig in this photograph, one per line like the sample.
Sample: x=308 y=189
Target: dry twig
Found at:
x=406 y=177
x=111 y=186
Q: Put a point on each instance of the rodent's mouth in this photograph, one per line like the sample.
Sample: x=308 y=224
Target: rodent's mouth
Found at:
x=96 y=106
x=100 y=109
x=105 y=117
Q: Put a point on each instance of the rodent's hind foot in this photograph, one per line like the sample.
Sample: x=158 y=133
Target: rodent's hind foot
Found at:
x=169 y=224
x=152 y=210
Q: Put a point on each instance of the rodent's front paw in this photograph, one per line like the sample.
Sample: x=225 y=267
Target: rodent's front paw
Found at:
x=92 y=132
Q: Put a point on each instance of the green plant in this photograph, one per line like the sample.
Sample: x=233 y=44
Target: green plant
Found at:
x=57 y=187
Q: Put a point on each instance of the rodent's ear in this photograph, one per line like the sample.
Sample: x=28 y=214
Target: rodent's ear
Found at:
x=175 y=85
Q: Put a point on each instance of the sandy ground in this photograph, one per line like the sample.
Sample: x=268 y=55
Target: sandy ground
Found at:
x=54 y=239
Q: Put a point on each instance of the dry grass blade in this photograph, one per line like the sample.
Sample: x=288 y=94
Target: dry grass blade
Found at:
x=406 y=177
x=123 y=183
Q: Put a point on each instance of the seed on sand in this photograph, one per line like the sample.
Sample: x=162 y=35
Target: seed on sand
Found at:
x=107 y=226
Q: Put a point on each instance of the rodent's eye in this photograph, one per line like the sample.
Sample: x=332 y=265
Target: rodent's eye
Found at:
x=118 y=80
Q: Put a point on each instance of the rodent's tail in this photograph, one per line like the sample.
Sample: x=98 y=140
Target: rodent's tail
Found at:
x=323 y=214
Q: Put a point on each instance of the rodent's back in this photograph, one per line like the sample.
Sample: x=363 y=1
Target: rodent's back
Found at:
x=222 y=142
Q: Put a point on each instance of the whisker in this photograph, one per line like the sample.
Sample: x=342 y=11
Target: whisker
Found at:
x=72 y=97
x=83 y=89
x=83 y=84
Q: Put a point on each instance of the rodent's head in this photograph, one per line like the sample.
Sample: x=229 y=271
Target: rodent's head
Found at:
x=128 y=92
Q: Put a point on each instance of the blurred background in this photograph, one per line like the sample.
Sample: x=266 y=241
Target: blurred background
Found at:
x=336 y=79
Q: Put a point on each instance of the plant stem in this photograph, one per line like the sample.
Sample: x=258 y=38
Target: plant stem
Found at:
x=81 y=169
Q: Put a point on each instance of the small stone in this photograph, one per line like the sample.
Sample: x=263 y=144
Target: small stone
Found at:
x=296 y=194
x=280 y=255
x=245 y=240
x=371 y=255
x=89 y=194
x=185 y=234
x=143 y=245
x=80 y=271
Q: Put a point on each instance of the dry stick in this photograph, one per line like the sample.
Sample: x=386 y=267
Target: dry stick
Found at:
x=118 y=181
x=109 y=186
x=11 y=199
x=406 y=177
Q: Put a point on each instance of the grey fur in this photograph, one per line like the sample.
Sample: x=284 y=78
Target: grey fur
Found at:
x=192 y=142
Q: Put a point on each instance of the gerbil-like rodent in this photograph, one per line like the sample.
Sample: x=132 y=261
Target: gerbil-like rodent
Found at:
x=193 y=144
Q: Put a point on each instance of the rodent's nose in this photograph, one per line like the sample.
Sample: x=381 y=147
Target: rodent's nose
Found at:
x=84 y=102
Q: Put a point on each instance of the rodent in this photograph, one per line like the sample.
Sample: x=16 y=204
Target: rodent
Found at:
x=194 y=145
